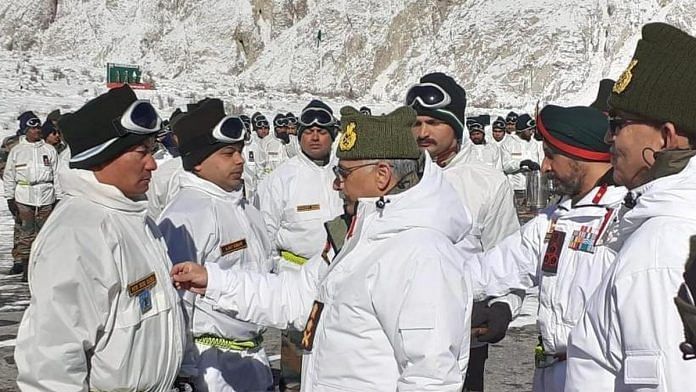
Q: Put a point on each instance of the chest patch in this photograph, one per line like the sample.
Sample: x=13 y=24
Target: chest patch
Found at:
x=553 y=252
x=311 y=326
x=233 y=247
x=583 y=240
x=46 y=161
x=308 y=207
x=251 y=156
x=139 y=286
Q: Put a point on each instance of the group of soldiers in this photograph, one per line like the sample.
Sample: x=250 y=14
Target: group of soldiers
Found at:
x=387 y=247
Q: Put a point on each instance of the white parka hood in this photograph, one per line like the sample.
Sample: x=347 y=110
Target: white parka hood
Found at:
x=83 y=184
x=430 y=204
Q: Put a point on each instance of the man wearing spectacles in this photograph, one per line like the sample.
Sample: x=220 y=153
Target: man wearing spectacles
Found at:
x=630 y=335
x=103 y=314
x=31 y=188
x=392 y=310
x=295 y=200
x=210 y=222
x=440 y=104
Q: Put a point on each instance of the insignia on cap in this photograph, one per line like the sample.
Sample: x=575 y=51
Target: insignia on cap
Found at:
x=349 y=138
x=625 y=78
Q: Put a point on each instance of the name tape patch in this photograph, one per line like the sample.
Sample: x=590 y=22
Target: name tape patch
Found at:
x=233 y=247
x=141 y=285
x=308 y=207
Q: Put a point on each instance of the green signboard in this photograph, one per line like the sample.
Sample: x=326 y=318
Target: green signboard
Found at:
x=123 y=73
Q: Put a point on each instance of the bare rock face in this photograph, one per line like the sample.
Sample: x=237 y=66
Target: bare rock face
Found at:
x=507 y=53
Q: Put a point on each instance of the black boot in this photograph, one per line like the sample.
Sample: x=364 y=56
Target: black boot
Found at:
x=17 y=268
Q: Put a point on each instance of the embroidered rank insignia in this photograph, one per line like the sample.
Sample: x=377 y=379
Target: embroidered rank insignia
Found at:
x=141 y=285
x=145 y=301
x=583 y=240
x=625 y=78
x=308 y=207
x=311 y=326
x=233 y=247
x=553 y=252
x=46 y=161
x=349 y=138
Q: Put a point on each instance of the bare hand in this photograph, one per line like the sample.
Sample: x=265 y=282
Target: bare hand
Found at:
x=190 y=276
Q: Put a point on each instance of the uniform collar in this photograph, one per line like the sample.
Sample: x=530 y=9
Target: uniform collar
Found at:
x=84 y=185
x=192 y=181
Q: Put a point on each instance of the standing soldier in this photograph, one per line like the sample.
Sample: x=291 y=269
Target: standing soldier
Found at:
x=293 y=146
x=479 y=151
x=392 y=313
x=562 y=250
x=511 y=123
x=296 y=200
x=103 y=314
x=628 y=340
x=209 y=221
x=498 y=130
x=526 y=154
x=440 y=103
x=31 y=185
x=7 y=144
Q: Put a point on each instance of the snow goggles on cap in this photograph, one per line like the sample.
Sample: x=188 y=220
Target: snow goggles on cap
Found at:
x=229 y=130
x=317 y=116
x=292 y=120
x=499 y=125
x=511 y=119
x=261 y=123
x=428 y=95
x=33 y=123
x=474 y=126
x=140 y=118
x=281 y=122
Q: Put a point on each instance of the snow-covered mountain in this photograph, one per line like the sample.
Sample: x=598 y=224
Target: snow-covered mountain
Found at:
x=276 y=54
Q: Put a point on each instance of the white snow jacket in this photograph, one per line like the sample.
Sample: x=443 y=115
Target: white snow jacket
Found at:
x=483 y=154
x=275 y=153
x=164 y=185
x=519 y=151
x=205 y=224
x=103 y=313
x=296 y=200
x=396 y=313
x=31 y=174
x=254 y=163
x=628 y=340
x=524 y=260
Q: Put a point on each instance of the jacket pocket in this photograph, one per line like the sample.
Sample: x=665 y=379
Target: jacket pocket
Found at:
x=643 y=367
x=135 y=310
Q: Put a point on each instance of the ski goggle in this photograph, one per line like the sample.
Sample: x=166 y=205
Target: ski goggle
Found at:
x=280 y=122
x=229 y=130
x=427 y=95
x=511 y=119
x=292 y=121
x=531 y=123
x=475 y=127
x=33 y=123
x=140 y=118
x=261 y=123
x=317 y=116
x=499 y=126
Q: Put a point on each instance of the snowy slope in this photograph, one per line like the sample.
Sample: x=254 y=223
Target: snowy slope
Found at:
x=264 y=54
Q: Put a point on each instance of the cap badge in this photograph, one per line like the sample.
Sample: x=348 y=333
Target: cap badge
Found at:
x=349 y=138
x=625 y=78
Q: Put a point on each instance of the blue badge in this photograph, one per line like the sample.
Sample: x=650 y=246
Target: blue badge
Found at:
x=145 y=300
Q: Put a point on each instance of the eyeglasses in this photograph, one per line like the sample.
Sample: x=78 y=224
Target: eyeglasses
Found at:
x=33 y=123
x=342 y=173
x=140 y=118
x=229 y=130
x=427 y=95
x=617 y=123
x=317 y=116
